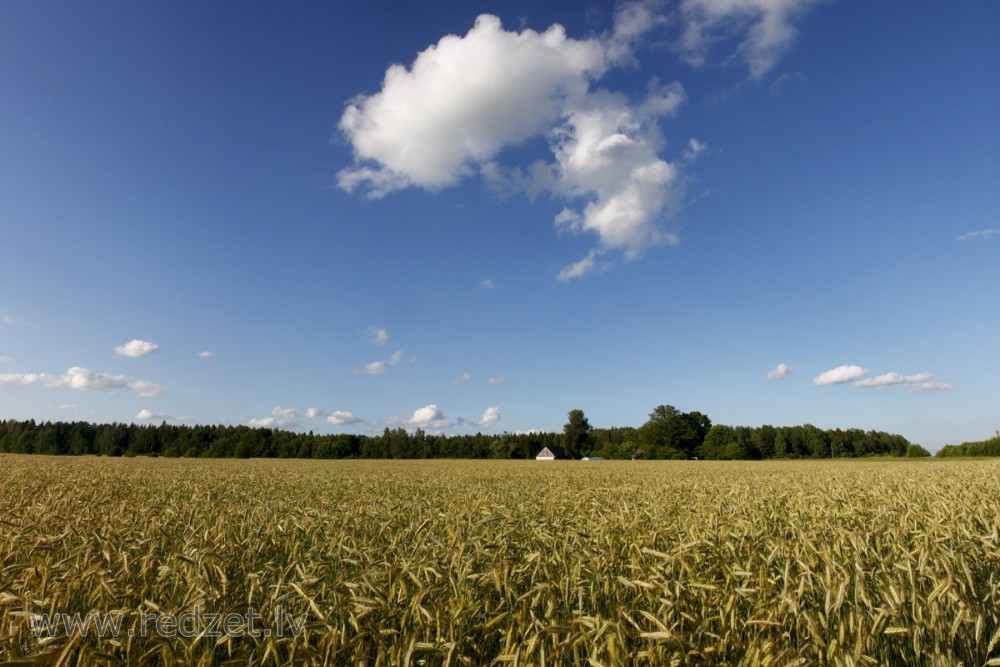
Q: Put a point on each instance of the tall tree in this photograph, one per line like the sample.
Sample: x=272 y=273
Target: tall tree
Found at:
x=576 y=435
x=672 y=434
x=721 y=442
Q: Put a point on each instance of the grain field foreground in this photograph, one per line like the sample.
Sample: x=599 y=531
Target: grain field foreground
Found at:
x=478 y=563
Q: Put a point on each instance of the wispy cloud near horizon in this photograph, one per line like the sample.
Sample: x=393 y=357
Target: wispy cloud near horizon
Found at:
x=981 y=235
x=856 y=376
x=286 y=418
x=840 y=375
x=916 y=382
x=82 y=379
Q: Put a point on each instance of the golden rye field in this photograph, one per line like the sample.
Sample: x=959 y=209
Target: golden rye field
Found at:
x=478 y=563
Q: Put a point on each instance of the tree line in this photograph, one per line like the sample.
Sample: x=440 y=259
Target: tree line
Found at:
x=116 y=439
x=672 y=434
x=989 y=447
x=668 y=434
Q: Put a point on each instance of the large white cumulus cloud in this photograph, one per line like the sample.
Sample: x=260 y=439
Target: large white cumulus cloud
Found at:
x=452 y=113
x=606 y=153
x=461 y=102
x=465 y=99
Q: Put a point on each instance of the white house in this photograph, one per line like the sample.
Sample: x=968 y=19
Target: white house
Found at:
x=551 y=454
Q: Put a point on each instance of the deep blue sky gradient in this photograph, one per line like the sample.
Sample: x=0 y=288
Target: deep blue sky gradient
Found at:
x=168 y=174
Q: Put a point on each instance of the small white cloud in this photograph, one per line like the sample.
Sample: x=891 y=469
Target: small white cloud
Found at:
x=148 y=415
x=889 y=379
x=4 y=359
x=379 y=335
x=568 y=220
x=374 y=368
x=632 y=21
x=283 y=413
x=396 y=357
x=662 y=99
x=916 y=382
x=981 y=235
x=766 y=28
x=490 y=417
x=693 y=151
x=839 y=375
x=499 y=379
x=462 y=379
x=930 y=385
x=428 y=417
x=145 y=389
x=336 y=418
x=283 y=418
x=577 y=269
x=136 y=348
x=206 y=354
x=782 y=370
x=427 y=414
x=265 y=422
x=6 y=319
x=341 y=417
x=28 y=379
x=486 y=283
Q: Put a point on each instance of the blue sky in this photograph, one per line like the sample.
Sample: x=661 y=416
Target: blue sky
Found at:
x=338 y=218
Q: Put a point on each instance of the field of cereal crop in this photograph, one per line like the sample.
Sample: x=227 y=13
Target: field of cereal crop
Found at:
x=477 y=563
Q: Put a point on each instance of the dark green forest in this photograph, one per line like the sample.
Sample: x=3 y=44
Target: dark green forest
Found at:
x=668 y=434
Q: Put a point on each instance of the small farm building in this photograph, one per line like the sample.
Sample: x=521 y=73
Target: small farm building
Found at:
x=551 y=454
